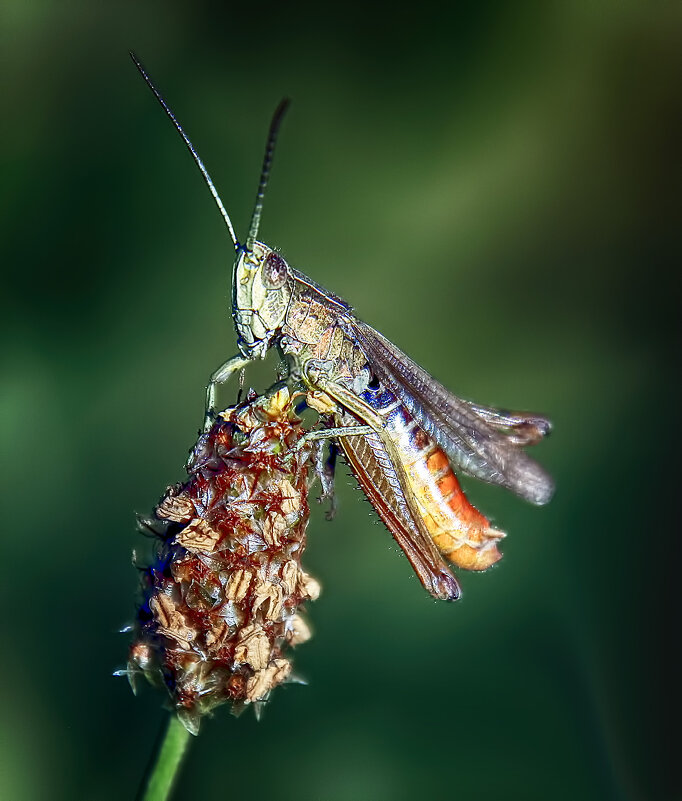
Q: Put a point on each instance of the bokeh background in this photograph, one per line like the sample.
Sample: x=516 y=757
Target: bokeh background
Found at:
x=495 y=187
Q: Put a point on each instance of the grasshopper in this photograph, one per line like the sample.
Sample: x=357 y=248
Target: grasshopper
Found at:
x=400 y=430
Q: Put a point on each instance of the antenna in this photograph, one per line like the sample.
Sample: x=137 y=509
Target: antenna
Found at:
x=195 y=155
x=265 y=172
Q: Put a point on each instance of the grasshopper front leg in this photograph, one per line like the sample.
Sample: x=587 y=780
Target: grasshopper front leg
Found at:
x=220 y=376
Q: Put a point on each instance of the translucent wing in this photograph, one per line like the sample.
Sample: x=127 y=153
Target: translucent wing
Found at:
x=485 y=443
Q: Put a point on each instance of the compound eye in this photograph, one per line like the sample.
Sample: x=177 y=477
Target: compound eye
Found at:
x=275 y=271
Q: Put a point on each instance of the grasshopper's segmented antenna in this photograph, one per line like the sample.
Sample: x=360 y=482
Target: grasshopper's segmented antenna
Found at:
x=265 y=172
x=190 y=147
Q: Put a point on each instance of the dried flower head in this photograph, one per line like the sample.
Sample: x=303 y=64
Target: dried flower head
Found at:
x=221 y=600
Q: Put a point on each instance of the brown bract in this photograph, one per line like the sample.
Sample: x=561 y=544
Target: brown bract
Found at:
x=221 y=602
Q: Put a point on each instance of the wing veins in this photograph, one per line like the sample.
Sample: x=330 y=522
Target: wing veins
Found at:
x=471 y=442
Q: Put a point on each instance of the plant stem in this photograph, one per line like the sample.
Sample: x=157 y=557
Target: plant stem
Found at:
x=164 y=769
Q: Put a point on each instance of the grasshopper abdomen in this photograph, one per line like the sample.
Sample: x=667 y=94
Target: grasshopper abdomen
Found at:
x=437 y=501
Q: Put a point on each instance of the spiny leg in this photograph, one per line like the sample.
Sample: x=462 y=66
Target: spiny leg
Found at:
x=220 y=376
x=324 y=434
x=326 y=471
x=332 y=433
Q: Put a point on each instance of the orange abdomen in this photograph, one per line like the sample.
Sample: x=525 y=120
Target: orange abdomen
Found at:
x=459 y=530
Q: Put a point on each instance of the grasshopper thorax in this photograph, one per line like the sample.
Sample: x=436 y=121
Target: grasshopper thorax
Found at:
x=261 y=290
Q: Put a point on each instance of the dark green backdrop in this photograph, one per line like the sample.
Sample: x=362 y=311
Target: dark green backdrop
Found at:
x=491 y=187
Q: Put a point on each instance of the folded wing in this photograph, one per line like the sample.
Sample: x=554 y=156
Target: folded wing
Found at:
x=483 y=442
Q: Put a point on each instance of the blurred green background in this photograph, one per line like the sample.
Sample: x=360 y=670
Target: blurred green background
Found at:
x=496 y=188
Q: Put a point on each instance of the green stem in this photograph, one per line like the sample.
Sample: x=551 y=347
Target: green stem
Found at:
x=164 y=769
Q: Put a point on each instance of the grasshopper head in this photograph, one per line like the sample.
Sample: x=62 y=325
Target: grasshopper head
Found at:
x=262 y=282
x=261 y=289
